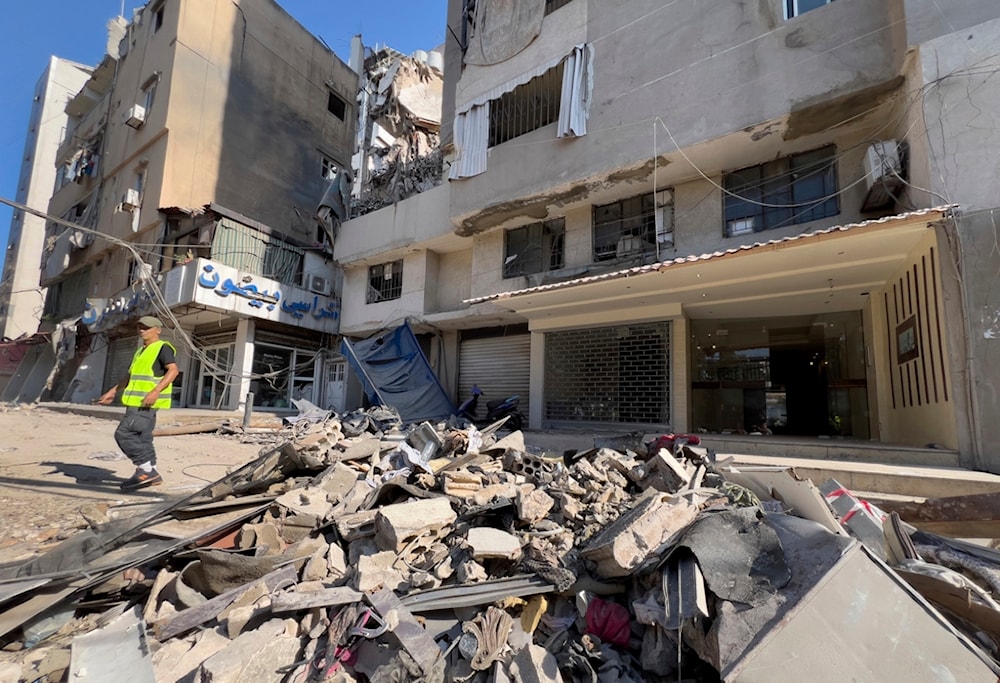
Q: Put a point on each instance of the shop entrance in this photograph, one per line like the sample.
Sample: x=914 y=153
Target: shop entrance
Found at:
x=802 y=375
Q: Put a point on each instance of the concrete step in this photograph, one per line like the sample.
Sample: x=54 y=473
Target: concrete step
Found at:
x=841 y=450
x=902 y=480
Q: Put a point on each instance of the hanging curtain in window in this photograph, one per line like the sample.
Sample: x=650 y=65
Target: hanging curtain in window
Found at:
x=574 y=101
x=472 y=130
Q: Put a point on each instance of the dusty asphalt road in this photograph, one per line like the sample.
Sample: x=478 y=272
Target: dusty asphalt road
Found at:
x=53 y=465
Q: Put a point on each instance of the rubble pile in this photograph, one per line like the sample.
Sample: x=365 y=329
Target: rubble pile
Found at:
x=366 y=550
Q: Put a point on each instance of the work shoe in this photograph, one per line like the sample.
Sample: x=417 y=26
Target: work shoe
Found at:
x=141 y=480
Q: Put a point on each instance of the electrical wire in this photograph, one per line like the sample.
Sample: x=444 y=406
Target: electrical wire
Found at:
x=162 y=307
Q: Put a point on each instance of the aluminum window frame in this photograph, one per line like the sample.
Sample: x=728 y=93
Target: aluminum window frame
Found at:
x=535 y=248
x=624 y=220
x=780 y=193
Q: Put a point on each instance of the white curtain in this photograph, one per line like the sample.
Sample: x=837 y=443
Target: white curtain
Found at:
x=574 y=102
x=472 y=130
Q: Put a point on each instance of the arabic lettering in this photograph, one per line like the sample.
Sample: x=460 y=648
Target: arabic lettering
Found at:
x=209 y=278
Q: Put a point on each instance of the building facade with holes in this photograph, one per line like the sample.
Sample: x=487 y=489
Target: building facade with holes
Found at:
x=180 y=146
x=773 y=219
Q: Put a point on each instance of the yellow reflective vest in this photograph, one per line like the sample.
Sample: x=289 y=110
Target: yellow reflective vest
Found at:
x=142 y=380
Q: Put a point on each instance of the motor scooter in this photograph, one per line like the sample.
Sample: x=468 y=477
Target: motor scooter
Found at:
x=495 y=410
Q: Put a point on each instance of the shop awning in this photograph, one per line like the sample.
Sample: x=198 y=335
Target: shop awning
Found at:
x=826 y=270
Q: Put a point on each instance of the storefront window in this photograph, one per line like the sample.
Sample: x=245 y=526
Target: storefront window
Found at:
x=213 y=377
x=280 y=375
x=802 y=375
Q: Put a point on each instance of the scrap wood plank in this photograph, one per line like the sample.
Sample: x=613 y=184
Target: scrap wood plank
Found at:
x=328 y=597
x=199 y=614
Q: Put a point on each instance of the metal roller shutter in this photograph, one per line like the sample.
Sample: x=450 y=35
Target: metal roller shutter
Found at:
x=500 y=366
x=120 y=353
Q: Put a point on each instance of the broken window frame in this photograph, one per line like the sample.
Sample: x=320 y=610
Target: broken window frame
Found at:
x=527 y=107
x=793 y=8
x=184 y=243
x=790 y=190
x=626 y=219
x=328 y=167
x=535 y=248
x=218 y=383
x=336 y=105
x=552 y=5
x=385 y=282
x=157 y=16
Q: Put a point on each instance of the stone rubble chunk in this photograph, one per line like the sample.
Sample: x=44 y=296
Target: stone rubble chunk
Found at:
x=396 y=525
x=533 y=504
x=377 y=571
x=254 y=655
x=488 y=543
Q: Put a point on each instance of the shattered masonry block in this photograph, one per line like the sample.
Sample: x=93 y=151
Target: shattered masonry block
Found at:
x=488 y=543
x=531 y=466
x=644 y=530
x=396 y=525
x=461 y=483
x=533 y=504
x=378 y=571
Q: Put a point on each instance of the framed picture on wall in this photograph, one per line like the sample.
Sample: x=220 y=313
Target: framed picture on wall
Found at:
x=906 y=340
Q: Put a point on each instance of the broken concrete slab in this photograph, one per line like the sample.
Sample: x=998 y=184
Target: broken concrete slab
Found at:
x=396 y=525
x=488 y=543
x=117 y=651
x=535 y=664
x=255 y=655
x=646 y=530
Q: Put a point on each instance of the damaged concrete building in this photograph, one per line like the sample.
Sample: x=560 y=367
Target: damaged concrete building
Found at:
x=767 y=218
x=196 y=151
x=20 y=295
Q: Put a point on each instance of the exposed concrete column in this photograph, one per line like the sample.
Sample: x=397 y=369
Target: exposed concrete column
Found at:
x=536 y=379
x=680 y=375
x=242 y=363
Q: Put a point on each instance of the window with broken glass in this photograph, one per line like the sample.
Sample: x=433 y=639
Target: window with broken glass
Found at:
x=187 y=239
x=535 y=248
x=385 y=281
x=786 y=191
x=527 y=107
x=553 y=5
x=328 y=167
x=625 y=228
x=336 y=105
x=212 y=376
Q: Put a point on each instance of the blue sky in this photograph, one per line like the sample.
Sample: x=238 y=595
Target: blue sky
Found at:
x=75 y=30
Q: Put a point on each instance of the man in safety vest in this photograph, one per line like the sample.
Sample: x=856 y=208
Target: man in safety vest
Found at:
x=147 y=388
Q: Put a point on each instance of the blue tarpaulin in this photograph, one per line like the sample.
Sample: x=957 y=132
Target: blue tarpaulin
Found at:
x=395 y=372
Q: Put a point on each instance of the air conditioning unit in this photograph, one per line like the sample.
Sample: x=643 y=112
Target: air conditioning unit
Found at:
x=883 y=175
x=135 y=116
x=130 y=200
x=318 y=284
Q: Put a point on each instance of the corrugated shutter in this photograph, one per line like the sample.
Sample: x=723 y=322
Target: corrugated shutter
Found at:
x=120 y=353
x=500 y=366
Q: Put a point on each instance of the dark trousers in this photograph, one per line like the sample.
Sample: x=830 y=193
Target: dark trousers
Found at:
x=135 y=435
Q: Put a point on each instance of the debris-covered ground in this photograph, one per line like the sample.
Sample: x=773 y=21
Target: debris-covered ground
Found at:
x=365 y=550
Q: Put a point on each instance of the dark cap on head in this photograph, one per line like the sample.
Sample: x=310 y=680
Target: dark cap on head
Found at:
x=150 y=321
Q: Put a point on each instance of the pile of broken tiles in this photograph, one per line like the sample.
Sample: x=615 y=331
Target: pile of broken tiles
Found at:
x=366 y=550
